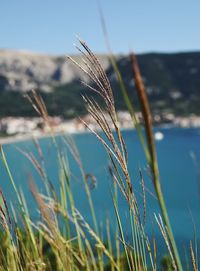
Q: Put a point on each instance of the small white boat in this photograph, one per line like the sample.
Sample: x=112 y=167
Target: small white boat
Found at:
x=158 y=136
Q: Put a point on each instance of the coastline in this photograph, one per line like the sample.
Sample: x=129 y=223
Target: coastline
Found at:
x=19 y=138
x=17 y=129
x=6 y=140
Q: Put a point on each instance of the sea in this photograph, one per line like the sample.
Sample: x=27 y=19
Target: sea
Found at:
x=178 y=152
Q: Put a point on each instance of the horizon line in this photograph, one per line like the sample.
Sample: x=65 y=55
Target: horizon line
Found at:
x=23 y=50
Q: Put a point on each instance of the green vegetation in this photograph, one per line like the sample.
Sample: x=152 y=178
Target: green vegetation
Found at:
x=44 y=245
x=172 y=83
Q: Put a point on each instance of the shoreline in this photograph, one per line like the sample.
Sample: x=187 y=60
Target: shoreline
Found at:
x=6 y=140
x=17 y=129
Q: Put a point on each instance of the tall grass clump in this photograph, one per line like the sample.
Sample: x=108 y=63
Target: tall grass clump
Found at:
x=61 y=238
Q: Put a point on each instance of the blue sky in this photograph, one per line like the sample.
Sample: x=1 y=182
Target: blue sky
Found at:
x=50 y=26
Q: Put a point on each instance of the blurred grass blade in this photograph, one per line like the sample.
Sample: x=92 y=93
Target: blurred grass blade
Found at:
x=152 y=152
x=122 y=86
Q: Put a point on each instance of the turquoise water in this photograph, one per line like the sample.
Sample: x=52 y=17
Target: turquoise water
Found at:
x=180 y=177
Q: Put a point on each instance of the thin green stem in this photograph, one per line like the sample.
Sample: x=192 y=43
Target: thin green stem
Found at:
x=146 y=112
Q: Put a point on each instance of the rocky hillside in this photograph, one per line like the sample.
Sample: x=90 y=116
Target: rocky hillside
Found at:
x=172 y=82
x=23 y=71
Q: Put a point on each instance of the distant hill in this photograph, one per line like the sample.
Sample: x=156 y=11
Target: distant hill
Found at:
x=172 y=82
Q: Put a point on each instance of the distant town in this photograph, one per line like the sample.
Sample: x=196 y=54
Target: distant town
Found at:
x=21 y=128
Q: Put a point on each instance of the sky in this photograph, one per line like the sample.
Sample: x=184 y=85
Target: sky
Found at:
x=51 y=26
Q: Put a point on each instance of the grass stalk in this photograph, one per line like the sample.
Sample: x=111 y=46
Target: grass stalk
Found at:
x=152 y=154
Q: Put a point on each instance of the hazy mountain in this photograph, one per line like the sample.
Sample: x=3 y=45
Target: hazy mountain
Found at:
x=172 y=81
x=23 y=71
